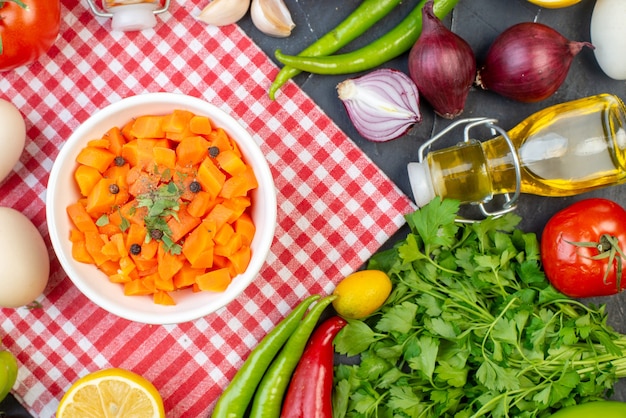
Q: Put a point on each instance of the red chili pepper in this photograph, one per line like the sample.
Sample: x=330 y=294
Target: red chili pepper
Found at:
x=310 y=391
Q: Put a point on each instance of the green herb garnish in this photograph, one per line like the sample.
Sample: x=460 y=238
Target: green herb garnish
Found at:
x=103 y=220
x=473 y=328
x=34 y=305
x=161 y=203
x=125 y=224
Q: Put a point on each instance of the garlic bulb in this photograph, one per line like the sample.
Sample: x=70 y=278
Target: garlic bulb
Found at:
x=224 y=12
x=272 y=17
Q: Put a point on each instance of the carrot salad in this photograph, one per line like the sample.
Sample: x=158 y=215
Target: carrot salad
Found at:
x=165 y=205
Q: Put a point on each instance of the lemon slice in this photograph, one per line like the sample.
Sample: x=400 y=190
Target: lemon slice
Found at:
x=111 y=393
x=554 y=4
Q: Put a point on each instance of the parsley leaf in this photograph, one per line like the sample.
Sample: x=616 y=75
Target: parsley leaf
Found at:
x=356 y=338
x=435 y=223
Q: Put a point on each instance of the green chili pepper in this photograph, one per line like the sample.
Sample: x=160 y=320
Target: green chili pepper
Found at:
x=391 y=45
x=269 y=395
x=8 y=373
x=360 y=20
x=234 y=401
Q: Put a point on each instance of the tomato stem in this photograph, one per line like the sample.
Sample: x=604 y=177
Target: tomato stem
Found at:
x=608 y=247
x=18 y=2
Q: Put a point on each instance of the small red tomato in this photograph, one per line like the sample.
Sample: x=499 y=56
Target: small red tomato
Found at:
x=28 y=28
x=582 y=248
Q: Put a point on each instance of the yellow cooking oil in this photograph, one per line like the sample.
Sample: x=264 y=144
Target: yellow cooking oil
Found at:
x=563 y=150
x=461 y=172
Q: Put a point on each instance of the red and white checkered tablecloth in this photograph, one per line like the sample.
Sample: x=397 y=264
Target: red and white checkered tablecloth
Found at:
x=335 y=206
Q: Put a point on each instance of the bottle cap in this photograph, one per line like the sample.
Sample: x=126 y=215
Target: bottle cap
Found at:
x=421 y=183
x=133 y=17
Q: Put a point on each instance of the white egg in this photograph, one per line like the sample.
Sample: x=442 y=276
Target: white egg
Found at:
x=24 y=260
x=608 y=36
x=12 y=137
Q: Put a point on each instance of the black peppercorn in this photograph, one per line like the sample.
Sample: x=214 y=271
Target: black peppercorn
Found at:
x=119 y=161
x=195 y=187
x=156 y=234
x=114 y=189
x=135 y=249
x=214 y=152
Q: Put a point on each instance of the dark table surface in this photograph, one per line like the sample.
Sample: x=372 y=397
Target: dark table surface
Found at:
x=478 y=22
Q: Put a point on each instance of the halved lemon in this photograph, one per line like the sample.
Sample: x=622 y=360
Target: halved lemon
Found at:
x=110 y=393
x=554 y=4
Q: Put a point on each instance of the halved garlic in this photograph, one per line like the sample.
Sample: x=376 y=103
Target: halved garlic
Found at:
x=224 y=12
x=272 y=17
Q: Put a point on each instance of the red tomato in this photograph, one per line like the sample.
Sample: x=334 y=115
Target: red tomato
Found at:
x=27 y=32
x=572 y=257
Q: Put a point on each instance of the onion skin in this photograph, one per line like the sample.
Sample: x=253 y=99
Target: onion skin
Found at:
x=442 y=65
x=382 y=105
x=528 y=62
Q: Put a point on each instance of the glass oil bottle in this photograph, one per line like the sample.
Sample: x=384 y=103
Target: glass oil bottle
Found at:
x=563 y=150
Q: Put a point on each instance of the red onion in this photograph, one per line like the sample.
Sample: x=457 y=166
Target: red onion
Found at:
x=382 y=104
x=528 y=62
x=442 y=65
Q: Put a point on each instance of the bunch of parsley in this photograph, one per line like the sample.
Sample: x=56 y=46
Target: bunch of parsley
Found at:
x=473 y=328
